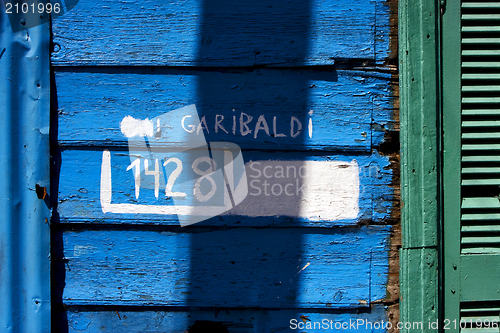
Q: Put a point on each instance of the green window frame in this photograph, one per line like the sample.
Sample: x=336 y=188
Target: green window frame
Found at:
x=450 y=164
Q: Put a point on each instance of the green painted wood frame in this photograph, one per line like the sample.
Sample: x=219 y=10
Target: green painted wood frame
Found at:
x=419 y=65
x=451 y=106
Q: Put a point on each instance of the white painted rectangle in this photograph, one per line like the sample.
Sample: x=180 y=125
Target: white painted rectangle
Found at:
x=314 y=190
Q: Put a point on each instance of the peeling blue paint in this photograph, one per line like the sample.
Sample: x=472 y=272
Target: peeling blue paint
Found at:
x=242 y=267
x=313 y=60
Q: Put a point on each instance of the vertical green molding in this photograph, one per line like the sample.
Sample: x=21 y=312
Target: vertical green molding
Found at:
x=451 y=70
x=420 y=125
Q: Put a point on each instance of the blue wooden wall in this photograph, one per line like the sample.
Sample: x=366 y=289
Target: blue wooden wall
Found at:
x=323 y=62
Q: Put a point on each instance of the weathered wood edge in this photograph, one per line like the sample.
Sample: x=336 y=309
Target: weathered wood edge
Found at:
x=116 y=319
x=126 y=253
x=343 y=136
x=391 y=148
x=185 y=52
x=375 y=174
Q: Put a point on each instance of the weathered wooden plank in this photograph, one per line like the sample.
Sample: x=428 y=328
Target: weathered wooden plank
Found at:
x=221 y=33
x=383 y=36
x=240 y=267
x=334 y=108
x=80 y=183
x=234 y=320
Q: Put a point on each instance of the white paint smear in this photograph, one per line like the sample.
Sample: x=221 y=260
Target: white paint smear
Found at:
x=314 y=190
x=131 y=127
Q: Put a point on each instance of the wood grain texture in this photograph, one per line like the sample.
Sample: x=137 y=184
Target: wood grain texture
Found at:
x=79 y=191
x=312 y=59
x=349 y=110
x=235 y=320
x=221 y=33
x=241 y=267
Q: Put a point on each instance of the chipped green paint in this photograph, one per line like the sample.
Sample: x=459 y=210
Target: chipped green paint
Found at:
x=419 y=38
x=451 y=162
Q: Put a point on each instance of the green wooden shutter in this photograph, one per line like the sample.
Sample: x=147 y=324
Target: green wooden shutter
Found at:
x=471 y=164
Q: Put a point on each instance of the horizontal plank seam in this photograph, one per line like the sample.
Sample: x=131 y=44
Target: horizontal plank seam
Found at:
x=75 y=227
x=72 y=307
x=388 y=69
x=340 y=150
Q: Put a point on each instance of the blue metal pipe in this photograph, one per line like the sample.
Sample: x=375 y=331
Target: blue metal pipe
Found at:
x=24 y=174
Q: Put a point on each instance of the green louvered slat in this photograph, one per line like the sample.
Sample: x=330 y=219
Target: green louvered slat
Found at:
x=483 y=320
x=480 y=250
x=480 y=40
x=481 y=147
x=480 y=240
x=480 y=76
x=484 y=135
x=481 y=53
x=485 y=5
x=477 y=308
x=481 y=112
x=480 y=158
x=480 y=170
x=477 y=182
x=481 y=100
x=480 y=217
x=484 y=28
x=479 y=330
x=481 y=228
x=477 y=64
x=480 y=17
x=493 y=123
x=481 y=202
x=481 y=88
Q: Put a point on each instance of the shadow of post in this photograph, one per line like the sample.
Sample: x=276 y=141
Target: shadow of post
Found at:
x=243 y=266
